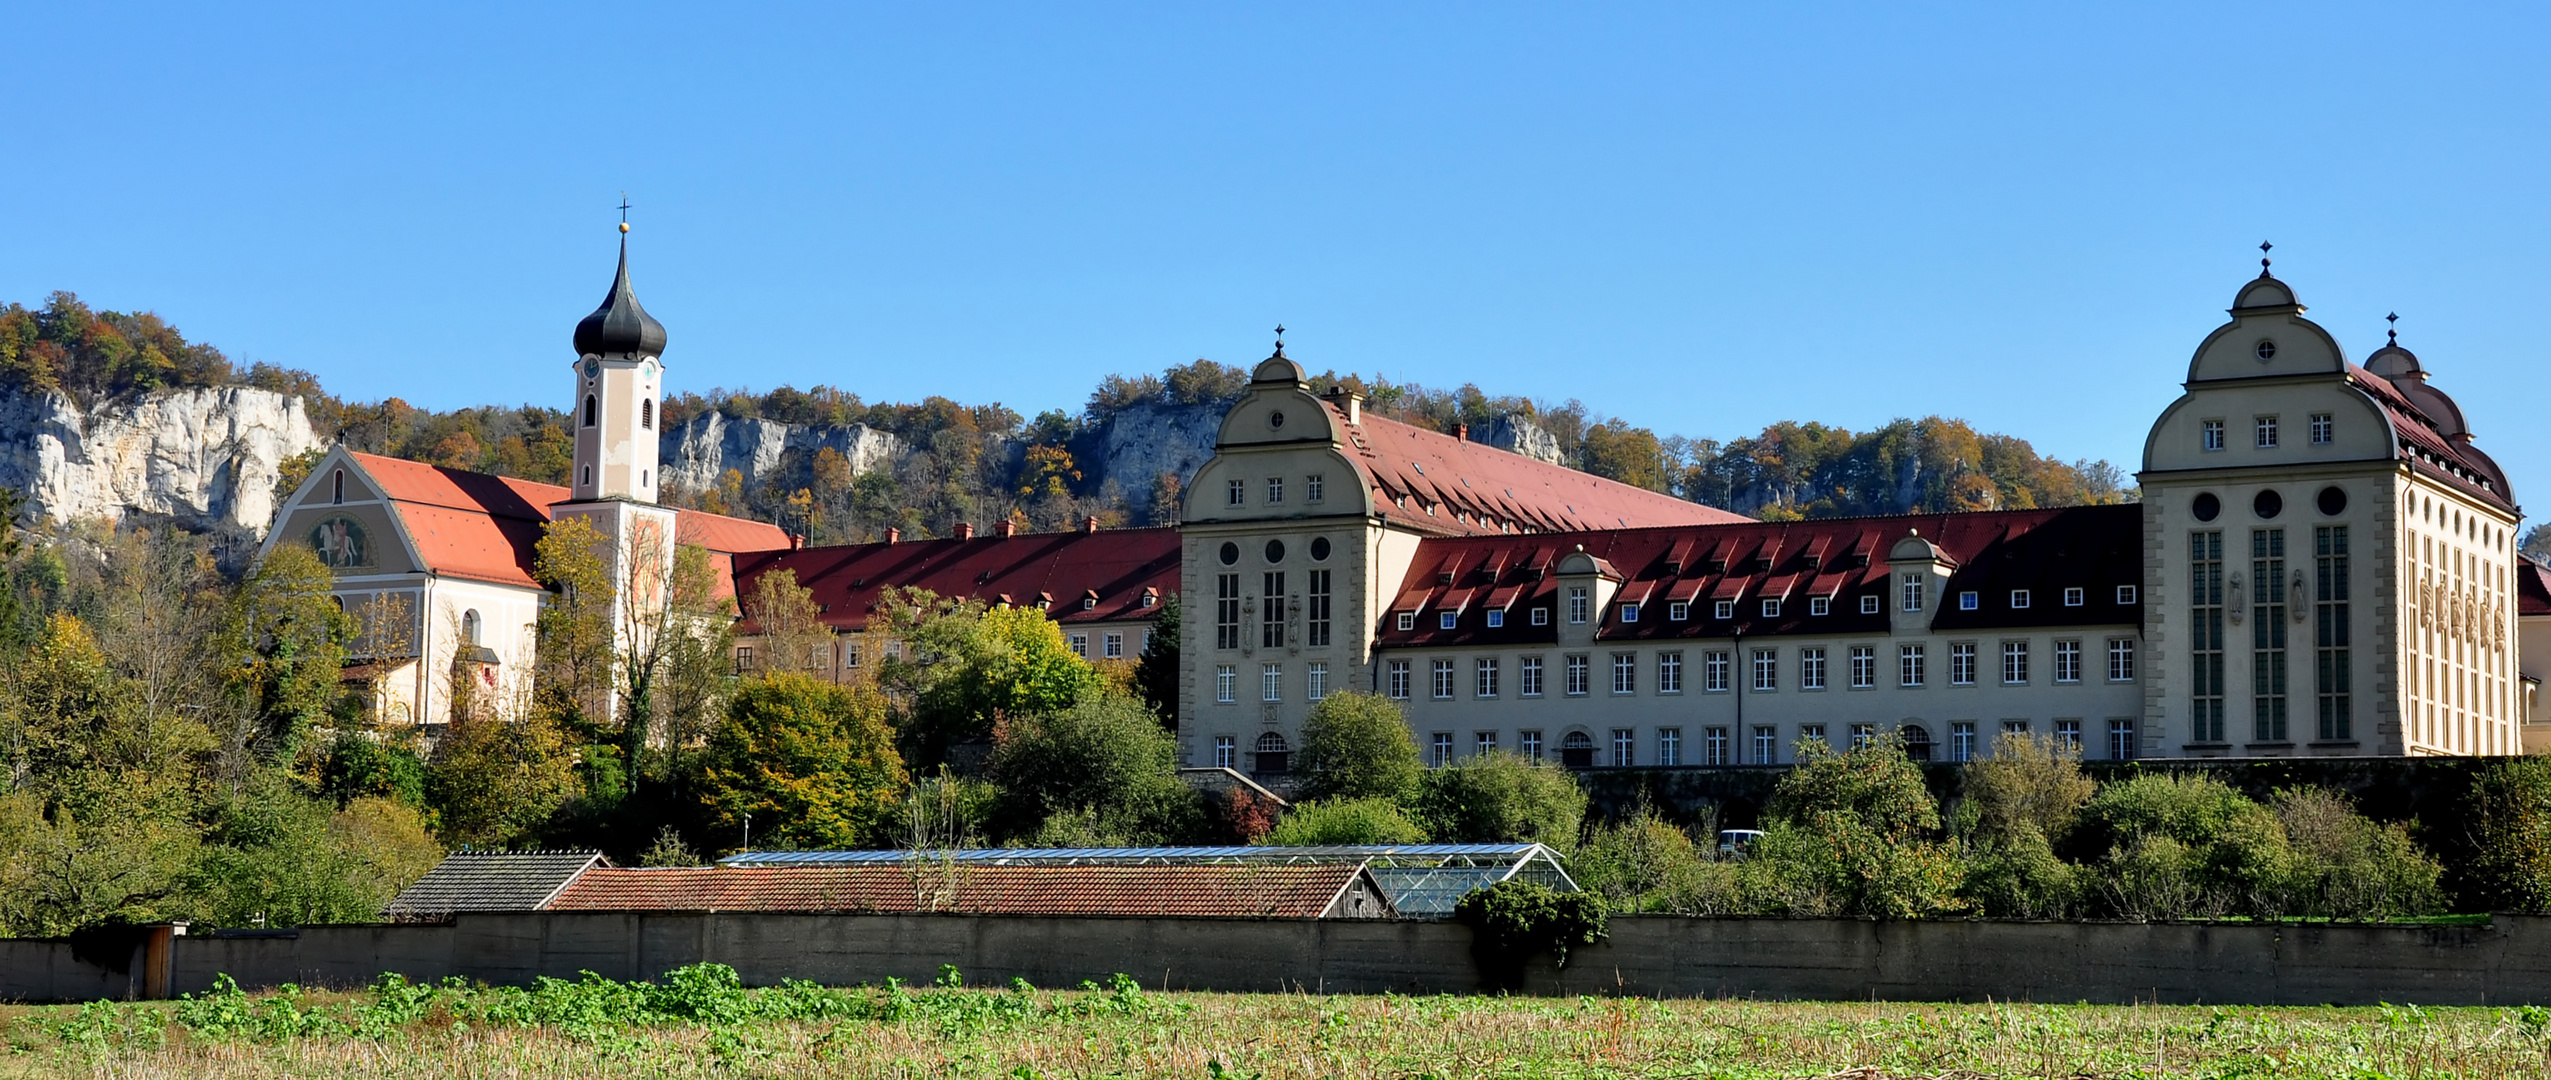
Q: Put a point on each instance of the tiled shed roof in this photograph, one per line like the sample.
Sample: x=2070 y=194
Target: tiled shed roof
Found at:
x=492 y=881
x=1300 y=891
x=2094 y=548
x=1434 y=483
x=1118 y=568
x=2533 y=587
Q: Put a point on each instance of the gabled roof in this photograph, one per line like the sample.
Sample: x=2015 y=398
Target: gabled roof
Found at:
x=1301 y=891
x=1434 y=483
x=483 y=527
x=2094 y=548
x=2421 y=441
x=492 y=881
x=1121 y=567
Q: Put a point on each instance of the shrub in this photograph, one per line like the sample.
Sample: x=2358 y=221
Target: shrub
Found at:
x=2505 y=861
x=1513 y=921
x=2348 y=867
x=1103 y=763
x=2029 y=782
x=1648 y=864
x=1501 y=798
x=2018 y=877
x=1344 y=821
x=1853 y=834
x=1357 y=746
x=2233 y=855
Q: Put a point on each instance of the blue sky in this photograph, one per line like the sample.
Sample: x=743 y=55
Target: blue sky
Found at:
x=1701 y=218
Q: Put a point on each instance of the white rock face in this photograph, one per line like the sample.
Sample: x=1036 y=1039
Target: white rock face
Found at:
x=203 y=459
x=1515 y=433
x=704 y=447
x=1148 y=439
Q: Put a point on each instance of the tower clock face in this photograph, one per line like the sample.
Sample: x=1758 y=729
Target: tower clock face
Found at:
x=647 y=369
x=593 y=368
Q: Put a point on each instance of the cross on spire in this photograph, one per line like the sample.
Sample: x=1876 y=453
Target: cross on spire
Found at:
x=2394 y=332
x=624 y=207
x=2264 y=248
x=1279 y=339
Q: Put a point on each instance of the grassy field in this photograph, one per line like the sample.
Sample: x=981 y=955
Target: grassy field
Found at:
x=699 y=1024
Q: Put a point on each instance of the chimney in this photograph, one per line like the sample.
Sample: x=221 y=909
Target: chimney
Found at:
x=1006 y=529
x=796 y=541
x=1349 y=400
x=1089 y=524
x=1462 y=432
x=965 y=530
x=894 y=536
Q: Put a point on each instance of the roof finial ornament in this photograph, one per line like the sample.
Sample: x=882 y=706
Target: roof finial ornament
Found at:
x=624 y=213
x=2394 y=319
x=2264 y=248
x=1279 y=339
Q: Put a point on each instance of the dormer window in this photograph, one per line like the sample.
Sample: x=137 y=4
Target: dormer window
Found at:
x=1089 y=603
x=1541 y=616
x=1629 y=613
x=1771 y=608
x=2019 y=599
x=1446 y=620
x=1496 y=619
x=1967 y=600
x=1869 y=605
x=1724 y=609
x=1820 y=605
x=1678 y=611
x=2073 y=596
x=1576 y=604
x=2125 y=594
x=1408 y=620
x=1912 y=590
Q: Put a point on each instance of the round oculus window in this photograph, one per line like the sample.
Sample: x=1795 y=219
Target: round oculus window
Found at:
x=1275 y=551
x=1230 y=553
x=1275 y=419
x=2268 y=504
x=2333 y=501
x=2265 y=349
x=1319 y=549
x=2205 y=507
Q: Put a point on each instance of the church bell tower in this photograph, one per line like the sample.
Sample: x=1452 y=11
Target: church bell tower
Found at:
x=619 y=376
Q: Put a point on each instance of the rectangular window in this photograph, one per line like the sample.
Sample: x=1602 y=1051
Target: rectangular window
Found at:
x=1271 y=612
x=2267 y=432
x=1962 y=740
x=1442 y=681
x=1961 y=663
x=1864 y=667
x=2205 y=639
x=2125 y=594
x=1318 y=678
x=1576 y=604
x=1226 y=684
x=1766 y=669
x=2073 y=596
x=1629 y=613
x=1541 y=616
x=1911 y=590
x=1862 y=735
x=1484 y=677
x=1395 y=679
x=2014 y=663
x=1909 y=663
x=743 y=658
x=1968 y=601
x=2214 y=434
x=1226 y=611
x=1625 y=673
x=1624 y=747
x=1315 y=622
x=2121 y=740
x=1669 y=672
x=1483 y=742
x=2322 y=429
x=1715 y=746
x=1528 y=676
x=1408 y=620
x=1820 y=605
x=2121 y=659
x=1439 y=750
x=1275 y=490
x=2019 y=599
x=1446 y=620
x=1530 y=743
x=1811 y=733
x=1112 y=646
x=2068 y=661
x=1714 y=672
x=2267 y=635
x=1869 y=604
x=1724 y=609
x=1239 y=492
x=1679 y=610
x=1079 y=644
x=1576 y=674
x=1811 y=668
x=1771 y=608
x=1669 y=746
x=1496 y=619
x=1270 y=682
x=1226 y=752
x=2068 y=734
x=1766 y=746
x=2015 y=727
x=1312 y=486
x=2330 y=680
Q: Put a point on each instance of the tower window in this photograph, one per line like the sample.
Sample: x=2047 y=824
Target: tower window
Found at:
x=646 y=414
x=337 y=494
x=588 y=477
x=591 y=410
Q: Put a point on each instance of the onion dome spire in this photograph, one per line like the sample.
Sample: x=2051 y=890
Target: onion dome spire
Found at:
x=620 y=325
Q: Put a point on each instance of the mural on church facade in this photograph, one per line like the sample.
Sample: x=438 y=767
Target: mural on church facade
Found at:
x=343 y=544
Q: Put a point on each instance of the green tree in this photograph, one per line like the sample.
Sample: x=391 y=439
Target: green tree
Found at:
x=497 y=782
x=1646 y=863
x=577 y=666
x=278 y=857
x=2348 y=867
x=1853 y=834
x=964 y=667
x=1156 y=672
x=1357 y=746
x=1344 y=821
x=1104 y=760
x=285 y=645
x=814 y=764
x=2237 y=858
x=1502 y=798
x=2504 y=861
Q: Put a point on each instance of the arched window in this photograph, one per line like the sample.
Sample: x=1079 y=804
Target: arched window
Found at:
x=646 y=414
x=1273 y=755
x=591 y=410
x=1576 y=750
x=337 y=492
x=469 y=627
x=1917 y=741
x=588 y=475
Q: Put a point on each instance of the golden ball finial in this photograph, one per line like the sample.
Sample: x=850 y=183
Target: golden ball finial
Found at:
x=624 y=226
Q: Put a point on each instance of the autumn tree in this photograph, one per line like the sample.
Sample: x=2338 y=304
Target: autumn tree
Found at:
x=812 y=763
x=962 y=666
x=792 y=630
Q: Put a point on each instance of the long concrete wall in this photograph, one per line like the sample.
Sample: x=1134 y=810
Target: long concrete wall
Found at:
x=2507 y=962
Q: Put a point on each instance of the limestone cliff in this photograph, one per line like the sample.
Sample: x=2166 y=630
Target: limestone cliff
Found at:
x=700 y=450
x=203 y=459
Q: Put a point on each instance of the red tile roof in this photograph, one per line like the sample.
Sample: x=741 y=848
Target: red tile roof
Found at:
x=2533 y=587
x=1121 y=566
x=1298 y=891
x=2451 y=460
x=483 y=527
x=1438 y=484
x=2094 y=548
